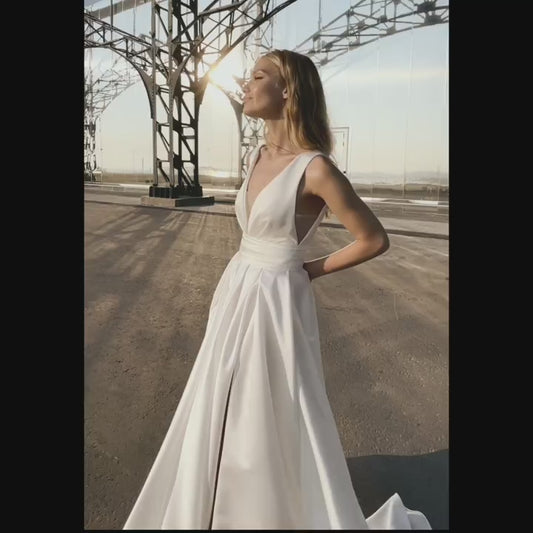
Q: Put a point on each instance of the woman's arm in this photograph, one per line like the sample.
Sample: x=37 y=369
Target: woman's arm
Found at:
x=324 y=179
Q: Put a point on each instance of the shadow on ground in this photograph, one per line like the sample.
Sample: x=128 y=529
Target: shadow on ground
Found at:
x=420 y=480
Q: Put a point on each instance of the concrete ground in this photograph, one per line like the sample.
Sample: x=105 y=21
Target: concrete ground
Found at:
x=400 y=217
x=150 y=274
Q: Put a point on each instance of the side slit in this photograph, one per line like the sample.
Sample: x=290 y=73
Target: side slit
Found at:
x=220 y=453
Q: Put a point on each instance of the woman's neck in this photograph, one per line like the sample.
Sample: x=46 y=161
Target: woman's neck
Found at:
x=278 y=142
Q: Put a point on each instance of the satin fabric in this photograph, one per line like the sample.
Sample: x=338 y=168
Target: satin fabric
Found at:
x=253 y=442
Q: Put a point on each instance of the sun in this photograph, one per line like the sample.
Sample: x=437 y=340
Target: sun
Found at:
x=224 y=74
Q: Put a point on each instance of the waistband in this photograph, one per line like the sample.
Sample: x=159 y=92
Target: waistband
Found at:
x=271 y=255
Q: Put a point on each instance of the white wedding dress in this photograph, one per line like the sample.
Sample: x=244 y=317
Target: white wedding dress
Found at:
x=253 y=443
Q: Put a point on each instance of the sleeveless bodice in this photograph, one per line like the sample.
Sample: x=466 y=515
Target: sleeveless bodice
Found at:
x=272 y=216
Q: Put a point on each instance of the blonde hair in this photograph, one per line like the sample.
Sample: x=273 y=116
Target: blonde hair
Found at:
x=306 y=112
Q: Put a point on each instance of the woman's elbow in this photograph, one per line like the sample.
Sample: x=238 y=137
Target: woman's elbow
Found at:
x=381 y=243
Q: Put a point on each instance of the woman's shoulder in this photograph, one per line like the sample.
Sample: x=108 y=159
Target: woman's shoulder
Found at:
x=322 y=168
x=320 y=161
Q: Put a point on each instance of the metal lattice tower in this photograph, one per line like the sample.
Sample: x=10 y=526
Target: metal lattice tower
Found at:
x=99 y=93
x=257 y=44
x=193 y=44
x=175 y=70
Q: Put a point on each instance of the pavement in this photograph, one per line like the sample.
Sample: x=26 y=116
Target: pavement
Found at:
x=416 y=218
x=150 y=274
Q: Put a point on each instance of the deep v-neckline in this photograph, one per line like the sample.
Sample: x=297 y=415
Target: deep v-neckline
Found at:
x=249 y=177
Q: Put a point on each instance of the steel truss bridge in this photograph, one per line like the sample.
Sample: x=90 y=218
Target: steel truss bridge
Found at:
x=175 y=69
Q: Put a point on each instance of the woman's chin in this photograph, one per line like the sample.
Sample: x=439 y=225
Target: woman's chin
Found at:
x=250 y=113
x=249 y=110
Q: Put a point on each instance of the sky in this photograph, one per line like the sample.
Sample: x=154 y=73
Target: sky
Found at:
x=388 y=98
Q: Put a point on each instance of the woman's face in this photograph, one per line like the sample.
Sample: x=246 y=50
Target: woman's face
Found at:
x=264 y=93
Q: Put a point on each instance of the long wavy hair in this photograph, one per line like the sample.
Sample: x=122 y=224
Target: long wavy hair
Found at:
x=305 y=111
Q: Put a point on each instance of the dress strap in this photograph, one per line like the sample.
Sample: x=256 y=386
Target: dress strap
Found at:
x=296 y=176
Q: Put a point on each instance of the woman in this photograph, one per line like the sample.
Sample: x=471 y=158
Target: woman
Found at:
x=253 y=443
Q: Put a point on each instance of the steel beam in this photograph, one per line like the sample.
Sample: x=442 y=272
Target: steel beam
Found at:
x=194 y=44
x=115 y=8
x=369 y=20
